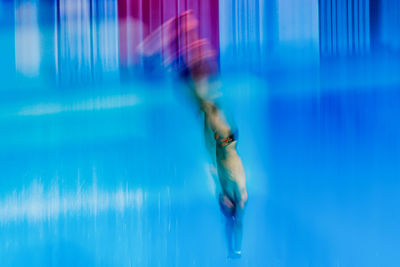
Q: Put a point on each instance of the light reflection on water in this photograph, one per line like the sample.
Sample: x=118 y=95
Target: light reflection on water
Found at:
x=91 y=104
x=35 y=204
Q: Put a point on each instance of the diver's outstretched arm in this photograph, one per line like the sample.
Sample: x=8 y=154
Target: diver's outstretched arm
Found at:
x=214 y=117
x=238 y=223
x=238 y=230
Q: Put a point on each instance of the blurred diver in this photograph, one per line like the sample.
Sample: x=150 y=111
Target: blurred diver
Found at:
x=197 y=66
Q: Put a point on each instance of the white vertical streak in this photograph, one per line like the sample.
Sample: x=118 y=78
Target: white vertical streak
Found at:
x=27 y=38
x=56 y=6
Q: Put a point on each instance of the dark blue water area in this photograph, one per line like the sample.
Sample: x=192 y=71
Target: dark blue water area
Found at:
x=337 y=156
x=125 y=181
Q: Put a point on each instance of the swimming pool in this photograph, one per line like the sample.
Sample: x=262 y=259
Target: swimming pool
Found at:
x=106 y=166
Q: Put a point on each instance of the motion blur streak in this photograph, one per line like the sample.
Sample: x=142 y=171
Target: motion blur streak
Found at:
x=138 y=18
x=86 y=38
x=99 y=103
x=35 y=205
x=27 y=46
x=345 y=27
x=102 y=151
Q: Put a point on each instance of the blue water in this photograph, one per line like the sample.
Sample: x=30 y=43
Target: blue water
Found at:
x=118 y=174
x=101 y=167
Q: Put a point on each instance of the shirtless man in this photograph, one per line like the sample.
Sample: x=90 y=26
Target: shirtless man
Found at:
x=230 y=169
x=198 y=65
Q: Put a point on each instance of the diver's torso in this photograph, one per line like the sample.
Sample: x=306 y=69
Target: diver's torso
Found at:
x=230 y=169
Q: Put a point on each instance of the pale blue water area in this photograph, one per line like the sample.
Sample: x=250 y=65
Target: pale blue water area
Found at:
x=104 y=166
x=120 y=176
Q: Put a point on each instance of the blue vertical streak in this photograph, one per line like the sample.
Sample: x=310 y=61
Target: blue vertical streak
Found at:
x=234 y=29
x=350 y=32
x=356 y=27
x=334 y=26
x=322 y=27
x=56 y=38
x=329 y=25
x=340 y=21
x=361 y=25
x=92 y=18
x=367 y=26
x=240 y=10
x=396 y=25
x=257 y=32
x=345 y=26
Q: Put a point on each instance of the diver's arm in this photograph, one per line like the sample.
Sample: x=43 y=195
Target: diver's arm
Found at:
x=213 y=115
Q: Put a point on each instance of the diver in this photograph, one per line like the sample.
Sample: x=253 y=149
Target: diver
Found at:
x=197 y=66
x=231 y=174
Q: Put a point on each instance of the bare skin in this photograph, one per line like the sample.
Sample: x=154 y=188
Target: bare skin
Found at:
x=231 y=173
x=200 y=62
